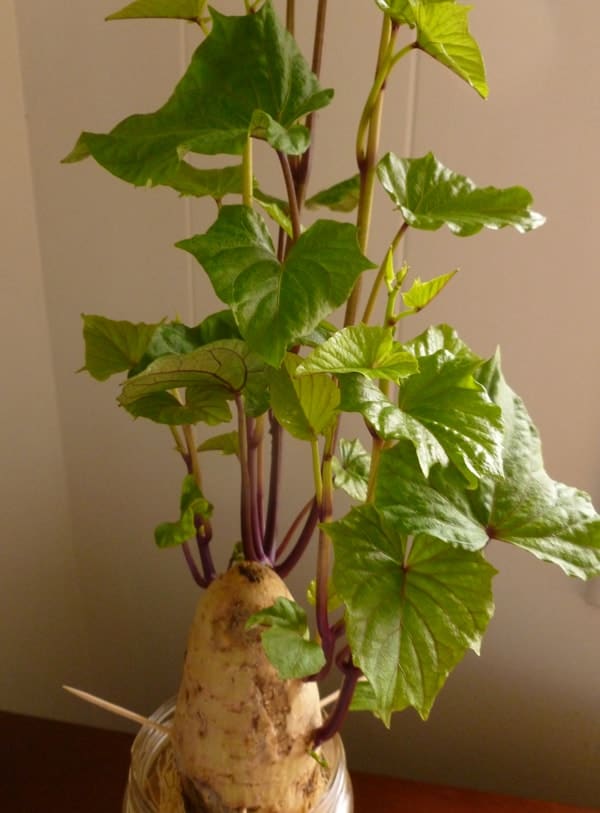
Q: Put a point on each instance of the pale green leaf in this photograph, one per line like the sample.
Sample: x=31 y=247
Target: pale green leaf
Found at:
x=412 y=610
x=371 y=351
x=443 y=33
x=429 y=196
x=420 y=294
x=307 y=406
x=351 y=468
x=276 y=303
x=192 y=504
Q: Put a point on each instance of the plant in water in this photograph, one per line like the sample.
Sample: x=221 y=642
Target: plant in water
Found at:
x=449 y=459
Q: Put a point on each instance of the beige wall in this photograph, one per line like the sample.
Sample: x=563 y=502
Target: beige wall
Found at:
x=85 y=597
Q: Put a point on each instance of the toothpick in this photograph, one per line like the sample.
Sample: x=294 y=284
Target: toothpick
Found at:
x=119 y=710
x=331 y=698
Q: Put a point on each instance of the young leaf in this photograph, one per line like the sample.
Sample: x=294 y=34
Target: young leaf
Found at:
x=370 y=351
x=351 y=469
x=214 y=107
x=305 y=406
x=114 y=346
x=443 y=33
x=412 y=611
x=227 y=443
x=173 y=9
x=286 y=639
x=341 y=197
x=429 y=196
x=192 y=504
x=275 y=303
x=420 y=294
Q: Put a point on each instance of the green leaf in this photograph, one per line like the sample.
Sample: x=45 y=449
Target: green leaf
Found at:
x=276 y=303
x=370 y=351
x=412 y=610
x=388 y=421
x=437 y=506
x=201 y=406
x=307 y=406
x=114 y=346
x=553 y=521
x=228 y=444
x=174 y=9
x=443 y=33
x=524 y=507
x=286 y=640
x=420 y=294
x=351 y=469
x=229 y=90
x=192 y=504
x=445 y=398
x=341 y=197
x=276 y=208
x=429 y=196
x=221 y=367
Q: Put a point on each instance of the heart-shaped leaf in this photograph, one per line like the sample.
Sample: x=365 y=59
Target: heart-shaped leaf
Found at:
x=276 y=303
x=430 y=196
x=412 y=610
x=443 y=33
x=420 y=294
x=286 y=640
x=229 y=92
x=371 y=351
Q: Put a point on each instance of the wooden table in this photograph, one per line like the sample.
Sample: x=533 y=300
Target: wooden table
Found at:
x=51 y=767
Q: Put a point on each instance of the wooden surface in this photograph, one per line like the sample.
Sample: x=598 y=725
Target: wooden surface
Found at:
x=51 y=767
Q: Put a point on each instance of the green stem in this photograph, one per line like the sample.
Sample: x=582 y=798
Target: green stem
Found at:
x=248 y=179
x=370 y=306
x=376 y=449
x=246 y=489
x=369 y=131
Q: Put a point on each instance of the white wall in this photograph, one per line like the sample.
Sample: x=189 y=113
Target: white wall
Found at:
x=90 y=600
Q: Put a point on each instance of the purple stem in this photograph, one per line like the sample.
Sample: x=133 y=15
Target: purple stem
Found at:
x=197 y=576
x=284 y=568
x=274 y=484
x=334 y=722
x=203 y=537
x=257 y=531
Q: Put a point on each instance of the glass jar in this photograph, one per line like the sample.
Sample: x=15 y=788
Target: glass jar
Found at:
x=142 y=793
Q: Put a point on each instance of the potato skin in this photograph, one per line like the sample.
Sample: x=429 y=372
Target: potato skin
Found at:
x=241 y=735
